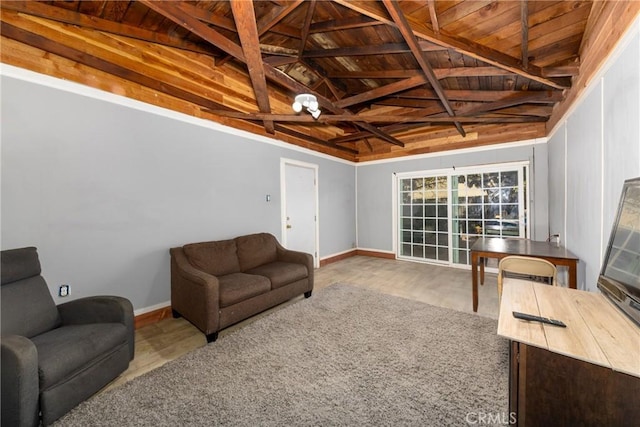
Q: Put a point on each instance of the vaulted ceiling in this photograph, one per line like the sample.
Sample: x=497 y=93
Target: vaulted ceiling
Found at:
x=392 y=78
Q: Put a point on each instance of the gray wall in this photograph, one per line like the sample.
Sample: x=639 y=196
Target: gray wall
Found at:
x=591 y=153
x=104 y=189
x=375 y=187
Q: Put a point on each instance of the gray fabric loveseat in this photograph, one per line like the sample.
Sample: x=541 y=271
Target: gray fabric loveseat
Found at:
x=54 y=357
x=219 y=283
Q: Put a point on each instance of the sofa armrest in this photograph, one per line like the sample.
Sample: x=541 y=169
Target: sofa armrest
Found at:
x=287 y=255
x=194 y=293
x=20 y=388
x=101 y=309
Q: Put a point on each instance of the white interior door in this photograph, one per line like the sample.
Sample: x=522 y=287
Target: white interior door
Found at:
x=300 y=207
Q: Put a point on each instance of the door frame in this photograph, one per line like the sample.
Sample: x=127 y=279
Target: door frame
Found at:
x=283 y=204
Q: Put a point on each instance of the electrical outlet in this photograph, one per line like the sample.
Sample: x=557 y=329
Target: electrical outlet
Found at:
x=63 y=290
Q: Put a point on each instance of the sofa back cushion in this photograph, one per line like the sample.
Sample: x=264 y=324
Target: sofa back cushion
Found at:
x=216 y=258
x=256 y=249
x=27 y=307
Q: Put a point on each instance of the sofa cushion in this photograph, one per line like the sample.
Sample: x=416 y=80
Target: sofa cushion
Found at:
x=64 y=351
x=281 y=273
x=237 y=287
x=255 y=250
x=216 y=258
x=27 y=308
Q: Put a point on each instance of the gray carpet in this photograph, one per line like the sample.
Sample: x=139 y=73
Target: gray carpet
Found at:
x=346 y=356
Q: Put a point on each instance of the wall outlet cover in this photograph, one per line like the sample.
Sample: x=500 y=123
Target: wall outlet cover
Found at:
x=63 y=290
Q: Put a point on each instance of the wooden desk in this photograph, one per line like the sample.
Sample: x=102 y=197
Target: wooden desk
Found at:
x=491 y=247
x=585 y=374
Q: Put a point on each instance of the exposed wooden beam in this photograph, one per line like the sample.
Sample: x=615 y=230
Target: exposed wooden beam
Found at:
x=278 y=60
x=462 y=46
x=440 y=73
x=517 y=98
x=304 y=34
x=209 y=17
x=434 y=16
x=384 y=49
x=524 y=24
x=307 y=137
x=343 y=24
x=245 y=18
x=405 y=29
x=389 y=89
x=177 y=14
x=276 y=15
x=476 y=95
x=380 y=118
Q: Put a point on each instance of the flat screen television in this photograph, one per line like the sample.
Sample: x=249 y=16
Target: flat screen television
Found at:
x=620 y=274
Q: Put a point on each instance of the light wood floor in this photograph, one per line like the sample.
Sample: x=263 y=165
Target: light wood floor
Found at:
x=442 y=286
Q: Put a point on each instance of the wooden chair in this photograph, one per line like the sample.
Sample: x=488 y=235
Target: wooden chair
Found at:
x=526 y=266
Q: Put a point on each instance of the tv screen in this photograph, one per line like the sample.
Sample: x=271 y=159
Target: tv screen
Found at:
x=620 y=275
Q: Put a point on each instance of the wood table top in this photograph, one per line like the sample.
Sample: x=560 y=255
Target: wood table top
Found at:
x=522 y=247
x=596 y=332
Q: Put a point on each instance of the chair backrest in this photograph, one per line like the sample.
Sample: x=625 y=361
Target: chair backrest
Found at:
x=527 y=266
x=26 y=303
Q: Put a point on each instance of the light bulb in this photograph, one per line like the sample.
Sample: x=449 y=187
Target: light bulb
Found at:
x=297 y=107
x=314 y=113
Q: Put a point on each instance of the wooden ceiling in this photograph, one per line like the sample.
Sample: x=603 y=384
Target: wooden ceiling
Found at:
x=393 y=78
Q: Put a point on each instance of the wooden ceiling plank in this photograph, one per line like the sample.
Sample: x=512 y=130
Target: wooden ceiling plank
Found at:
x=463 y=46
x=81 y=57
x=407 y=32
x=245 y=18
x=75 y=18
x=179 y=16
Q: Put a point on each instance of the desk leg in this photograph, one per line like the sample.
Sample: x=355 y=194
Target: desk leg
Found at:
x=573 y=275
x=474 y=279
x=482 y=261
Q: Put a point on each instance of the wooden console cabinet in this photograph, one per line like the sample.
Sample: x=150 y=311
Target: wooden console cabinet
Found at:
x=586 y=374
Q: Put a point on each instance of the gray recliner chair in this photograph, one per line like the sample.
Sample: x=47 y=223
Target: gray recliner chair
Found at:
x=54 y=357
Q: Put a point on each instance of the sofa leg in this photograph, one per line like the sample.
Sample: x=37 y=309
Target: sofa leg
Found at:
x=307 y=294
x=175 y=314
x=212 y=337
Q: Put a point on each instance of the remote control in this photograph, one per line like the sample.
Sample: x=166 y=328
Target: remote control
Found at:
x=534 y=318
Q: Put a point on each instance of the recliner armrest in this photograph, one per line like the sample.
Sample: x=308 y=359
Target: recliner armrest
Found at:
x=20 y=388
x=100 y=309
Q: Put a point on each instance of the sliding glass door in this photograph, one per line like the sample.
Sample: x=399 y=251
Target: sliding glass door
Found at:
x=442 y=214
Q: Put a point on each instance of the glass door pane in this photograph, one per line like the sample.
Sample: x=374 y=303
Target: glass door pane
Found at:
x=485 y=204
x=424 y=218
